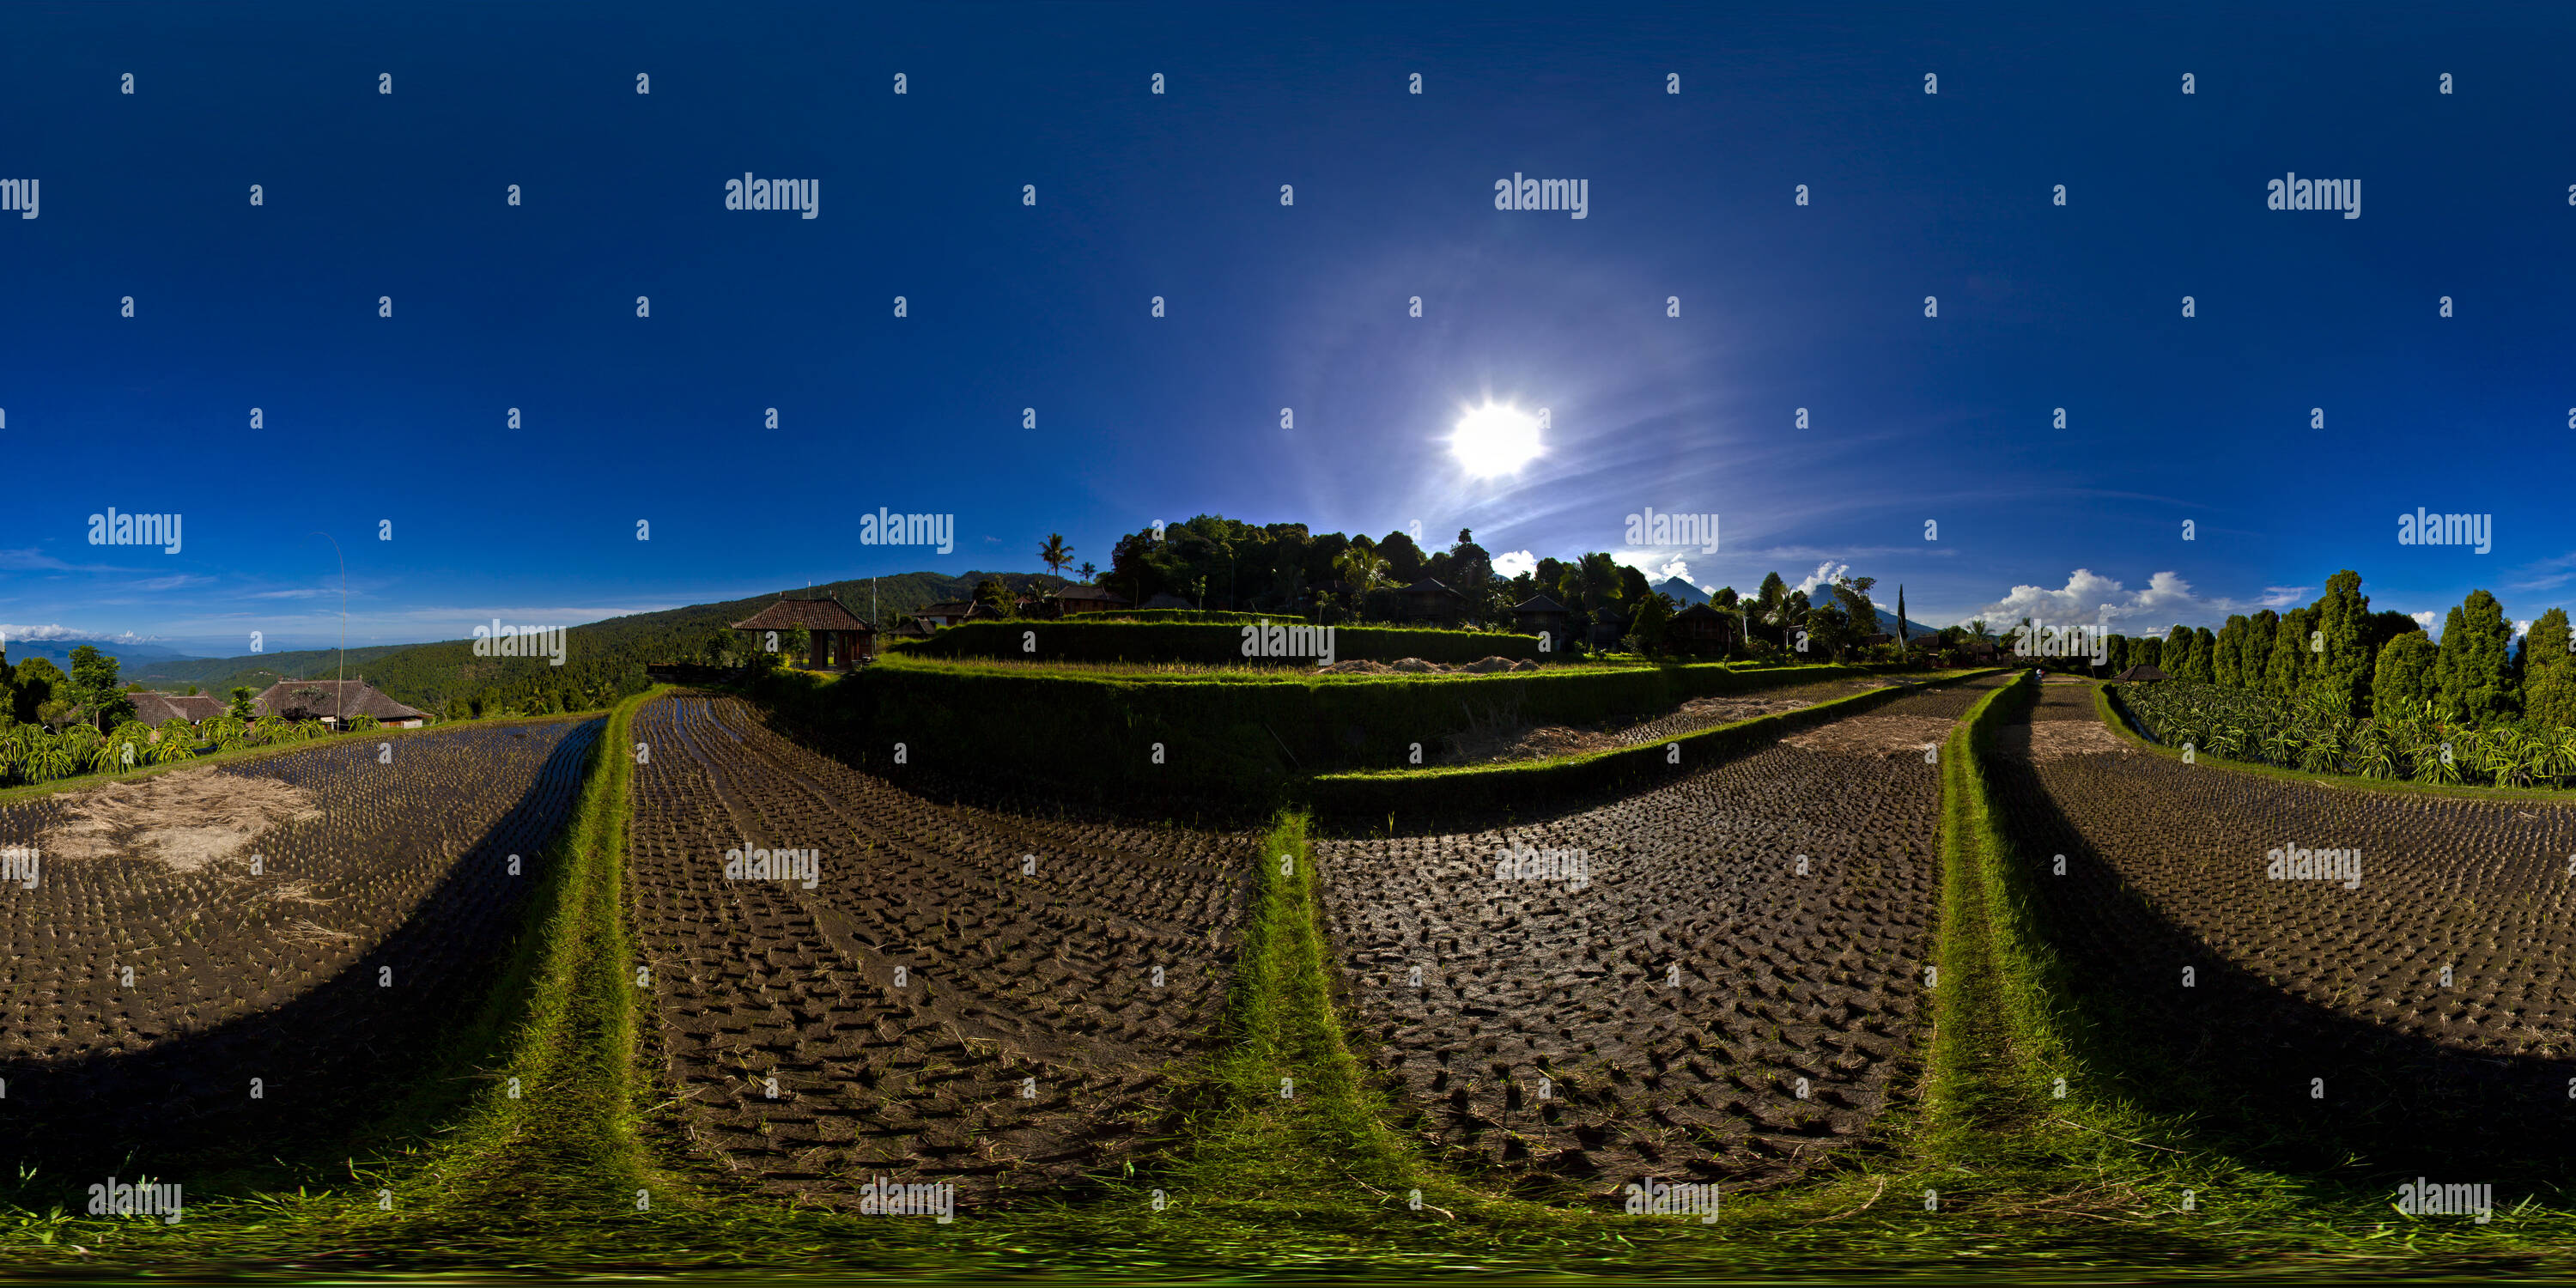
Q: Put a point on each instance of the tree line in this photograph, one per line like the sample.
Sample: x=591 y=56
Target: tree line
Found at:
x=2338 y=652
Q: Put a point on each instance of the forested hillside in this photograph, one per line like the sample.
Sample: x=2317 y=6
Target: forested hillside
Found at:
x=602 y=660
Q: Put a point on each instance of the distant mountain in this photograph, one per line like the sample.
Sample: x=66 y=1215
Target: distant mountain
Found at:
x=128 y=656
x=1685 y=594
x=1682 y=593
x=1887 y=623
x=221 y=675
x=600 y=658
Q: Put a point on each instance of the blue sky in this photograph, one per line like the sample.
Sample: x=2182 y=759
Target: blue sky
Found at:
x=1011 y=306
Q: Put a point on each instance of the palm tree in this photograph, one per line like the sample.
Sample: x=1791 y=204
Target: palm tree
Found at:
x=1055 y=554
x=1088 y=572
x=1362 y=567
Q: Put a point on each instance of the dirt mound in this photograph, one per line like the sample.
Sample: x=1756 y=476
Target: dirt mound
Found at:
x=184 y=820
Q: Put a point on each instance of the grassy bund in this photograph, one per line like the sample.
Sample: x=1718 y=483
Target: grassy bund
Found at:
x=2012 y=1157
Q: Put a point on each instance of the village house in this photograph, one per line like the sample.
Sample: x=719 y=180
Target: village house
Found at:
x=1702 y=629
x=1072 y=601
x=1429 y=601
x=950 y=612
x=156 y=708
x=332 y=701
x=1540 y=615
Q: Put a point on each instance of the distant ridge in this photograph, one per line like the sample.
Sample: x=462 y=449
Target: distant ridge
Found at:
x=600 y=658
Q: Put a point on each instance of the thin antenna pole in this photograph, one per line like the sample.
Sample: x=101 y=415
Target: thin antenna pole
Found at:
x=340 y=691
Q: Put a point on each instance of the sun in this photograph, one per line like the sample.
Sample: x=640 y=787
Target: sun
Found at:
x=1494 y=440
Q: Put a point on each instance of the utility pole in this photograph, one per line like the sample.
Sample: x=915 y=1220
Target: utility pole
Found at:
x=339 y=691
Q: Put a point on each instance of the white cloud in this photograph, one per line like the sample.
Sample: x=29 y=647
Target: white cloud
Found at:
x=2521 y=629
x=58 y=632
x=1824 y=575
x=2089 y=597
x=1513 y=563
x=2426 y=619
x=1677 y=567
x=2280 y=597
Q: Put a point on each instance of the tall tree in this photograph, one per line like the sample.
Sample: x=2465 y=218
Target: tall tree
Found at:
x=96 y=689
x=2204 y=656
x=2177 y=652
x=2341 y=673
x=1088 y=572
x=2475 y=666
x=2404 y=676
x=1404 y=560
x=2549 y=671
x=2254 y=654
x=39 y=682
x=2285 y=673
x=1771 y=603
x=1055 y=554
x=1852 y=595
x=2227 y=666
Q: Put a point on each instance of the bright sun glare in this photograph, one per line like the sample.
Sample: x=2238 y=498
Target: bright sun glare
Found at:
x=1492 y=440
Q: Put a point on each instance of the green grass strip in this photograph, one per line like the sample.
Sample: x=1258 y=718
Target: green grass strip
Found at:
x=559 y=1129
x=1974 y=1084
x=1282 y=1113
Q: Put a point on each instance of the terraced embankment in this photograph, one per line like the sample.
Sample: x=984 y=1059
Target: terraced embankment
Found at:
x=1728 y=994
x=2414 y=1017
x=241 y=963
x=995 y=1000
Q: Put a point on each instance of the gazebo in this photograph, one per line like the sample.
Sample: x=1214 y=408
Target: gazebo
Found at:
x=837 y=638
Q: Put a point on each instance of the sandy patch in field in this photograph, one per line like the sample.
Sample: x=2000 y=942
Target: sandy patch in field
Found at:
x=183 y=821
x=1874 y=735
x=2052 y=739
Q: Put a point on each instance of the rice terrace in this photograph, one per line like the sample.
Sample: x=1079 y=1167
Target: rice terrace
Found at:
x=1930 y=661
